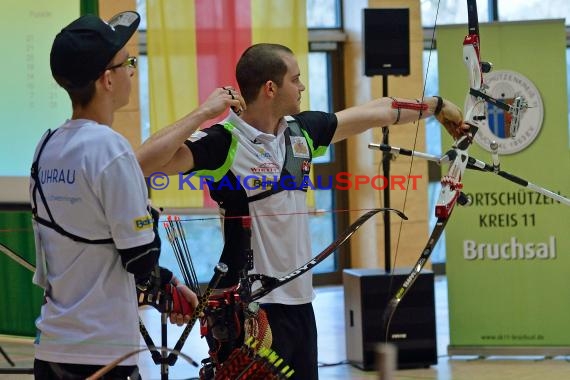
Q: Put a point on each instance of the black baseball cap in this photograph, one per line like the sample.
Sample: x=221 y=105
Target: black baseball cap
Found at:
x=83 y=49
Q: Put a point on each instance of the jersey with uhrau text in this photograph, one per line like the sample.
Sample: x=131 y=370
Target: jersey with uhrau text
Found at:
x=95 y=189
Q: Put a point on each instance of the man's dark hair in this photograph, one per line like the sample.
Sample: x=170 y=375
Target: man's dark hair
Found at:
x=80 y=96
x=258 y=64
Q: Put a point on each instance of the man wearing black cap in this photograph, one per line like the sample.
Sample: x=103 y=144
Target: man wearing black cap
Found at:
x=96 y=237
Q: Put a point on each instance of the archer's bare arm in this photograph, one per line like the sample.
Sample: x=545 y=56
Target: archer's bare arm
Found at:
x=165 y=151
x=379 y=113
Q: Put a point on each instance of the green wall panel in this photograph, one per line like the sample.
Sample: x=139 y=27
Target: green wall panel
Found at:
x=20 y=300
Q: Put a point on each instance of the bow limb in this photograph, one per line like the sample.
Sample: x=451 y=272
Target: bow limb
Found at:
x=270 y=283
x=449 y=195
x=409 y=281
x=17 y=258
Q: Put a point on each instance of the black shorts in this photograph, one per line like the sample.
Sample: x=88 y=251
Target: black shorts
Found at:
x=294 y=332
x=63 y=371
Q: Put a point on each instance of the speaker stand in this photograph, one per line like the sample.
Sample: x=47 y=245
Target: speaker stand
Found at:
x=386 y=158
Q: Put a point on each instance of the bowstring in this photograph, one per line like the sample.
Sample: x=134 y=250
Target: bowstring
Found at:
x=417 y=123
x=221 y=218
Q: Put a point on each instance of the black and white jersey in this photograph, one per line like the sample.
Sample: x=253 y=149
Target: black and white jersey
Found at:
x=261 y=175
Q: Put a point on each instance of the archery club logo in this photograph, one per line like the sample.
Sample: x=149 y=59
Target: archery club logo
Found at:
x=506 y=85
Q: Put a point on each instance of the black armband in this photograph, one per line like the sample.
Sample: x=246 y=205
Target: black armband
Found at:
x=394 y=101
x=438 y=106
x=166 y=276
x=141 y=260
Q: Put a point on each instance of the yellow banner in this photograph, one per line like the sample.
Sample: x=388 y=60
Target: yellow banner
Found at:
x=189 y=56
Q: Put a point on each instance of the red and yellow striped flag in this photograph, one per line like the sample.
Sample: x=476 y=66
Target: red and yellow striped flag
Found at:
x=193 y=47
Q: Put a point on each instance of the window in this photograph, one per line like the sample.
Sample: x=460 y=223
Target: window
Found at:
x=450 y=12
x=516 y=10
x=326 y=94
x=321 y=222
x=323 y=14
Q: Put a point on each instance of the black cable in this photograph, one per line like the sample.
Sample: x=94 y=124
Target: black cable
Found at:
x=343 y=362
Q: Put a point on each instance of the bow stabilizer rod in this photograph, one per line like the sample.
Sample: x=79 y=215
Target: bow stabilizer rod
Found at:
x=475 y=164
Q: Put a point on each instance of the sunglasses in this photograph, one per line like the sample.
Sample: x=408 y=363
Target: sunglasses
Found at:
x=129 y=62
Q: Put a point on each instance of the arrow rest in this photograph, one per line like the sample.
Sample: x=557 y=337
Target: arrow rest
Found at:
x=486 y=67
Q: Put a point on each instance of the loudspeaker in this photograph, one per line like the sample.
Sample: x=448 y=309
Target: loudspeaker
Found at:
x=386 y=34
x=412 y=329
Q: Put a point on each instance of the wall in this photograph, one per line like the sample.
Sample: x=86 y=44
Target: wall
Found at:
x=127 y=119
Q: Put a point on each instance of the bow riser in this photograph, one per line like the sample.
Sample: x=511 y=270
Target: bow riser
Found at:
x=474 y=106
x=472 y=60
x=451 y=185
